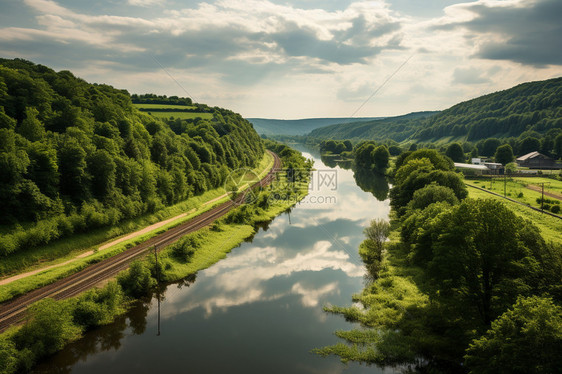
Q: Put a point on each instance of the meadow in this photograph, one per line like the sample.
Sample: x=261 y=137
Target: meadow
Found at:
x=179 y=114
x=516 y=188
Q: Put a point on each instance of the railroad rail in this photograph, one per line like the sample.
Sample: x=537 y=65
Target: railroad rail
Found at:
x=13 y=311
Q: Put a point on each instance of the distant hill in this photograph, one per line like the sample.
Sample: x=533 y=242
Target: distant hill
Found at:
x=298 y=126
x=534 y=107
x=397 y=128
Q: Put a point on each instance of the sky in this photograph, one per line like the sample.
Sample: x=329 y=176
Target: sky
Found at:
x=295 y=58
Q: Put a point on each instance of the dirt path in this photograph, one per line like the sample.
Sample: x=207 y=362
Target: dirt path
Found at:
x=549 y=194
x=107 y=245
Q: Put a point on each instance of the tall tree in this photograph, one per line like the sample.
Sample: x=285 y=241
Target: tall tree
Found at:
x=525 y=339
x=528 y=145
x=483 y=257
x=455 y=152
x=381 y=157
x=504 y=154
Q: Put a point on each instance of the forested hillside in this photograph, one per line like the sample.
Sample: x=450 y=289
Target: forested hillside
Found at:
x=395 y=128
x=75 y=155
x=533 y=108
x=297 y=126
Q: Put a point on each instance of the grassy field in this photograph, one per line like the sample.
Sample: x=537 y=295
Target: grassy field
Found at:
x=550 y=185
x=517 y=190
x=551 y=227
x=163 y=106
x=182 y=115
x=69 y=248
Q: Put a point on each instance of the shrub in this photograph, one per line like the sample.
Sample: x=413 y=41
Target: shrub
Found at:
x=88 y=314
x=184 y=249
x=8 y=357
x=555 y=209
x=137 y=281
x=47 y=330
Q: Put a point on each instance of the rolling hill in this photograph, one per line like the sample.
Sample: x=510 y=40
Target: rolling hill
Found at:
x=534 y=107
x=397 y=128
x=267 y=126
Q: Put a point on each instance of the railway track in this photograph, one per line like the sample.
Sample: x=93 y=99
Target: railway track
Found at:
x=13 y=311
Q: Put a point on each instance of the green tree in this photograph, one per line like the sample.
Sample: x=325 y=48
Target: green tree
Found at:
x=378 y=231
x=72 y=167
x=430 y=194
x=483 y=257
x=558 y=146
x=137 y=281
x=31 y=128
x=102 y=169
x=438 y=160
x=504 y=154
x=47 y=330
x=489 y=147
x=381 y=157
x=526 y=339
x=455 y=152
x=8 y=356
x=528 y=145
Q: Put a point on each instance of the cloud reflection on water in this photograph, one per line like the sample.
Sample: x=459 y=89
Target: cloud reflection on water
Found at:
x=243 y=278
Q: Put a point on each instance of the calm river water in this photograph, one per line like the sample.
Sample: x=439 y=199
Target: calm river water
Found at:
x=260 y=309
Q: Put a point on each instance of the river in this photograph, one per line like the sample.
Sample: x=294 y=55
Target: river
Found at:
x=260 y=309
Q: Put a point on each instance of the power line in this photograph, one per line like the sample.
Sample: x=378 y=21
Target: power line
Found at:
x=382 y=85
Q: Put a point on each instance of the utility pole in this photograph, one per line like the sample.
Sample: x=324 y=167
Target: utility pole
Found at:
x=157 y=286
x=504 y=183
x=542 y=196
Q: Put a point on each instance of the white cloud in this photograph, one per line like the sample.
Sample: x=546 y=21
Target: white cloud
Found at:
x=146 y=3
x=270 y=59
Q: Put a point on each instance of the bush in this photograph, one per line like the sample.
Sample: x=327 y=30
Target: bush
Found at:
x=47 y=330
x=555 y=209
x=137 y=281
x=184 y=249
x=8 y=357
x=88 y=314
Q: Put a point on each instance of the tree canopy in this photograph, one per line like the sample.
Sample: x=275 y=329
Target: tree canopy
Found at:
x=75 y=155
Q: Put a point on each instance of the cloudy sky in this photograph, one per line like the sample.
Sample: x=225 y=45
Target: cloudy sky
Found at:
x=294 y=58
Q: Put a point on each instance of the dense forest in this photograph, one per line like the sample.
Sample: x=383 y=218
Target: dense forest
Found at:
x=75 y=155
x=530 y=110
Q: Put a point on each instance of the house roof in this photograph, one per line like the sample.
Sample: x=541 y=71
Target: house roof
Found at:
x=470 y=166
x=531 y=155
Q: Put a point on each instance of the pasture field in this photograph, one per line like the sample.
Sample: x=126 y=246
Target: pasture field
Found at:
x=182 y=115
x=520 y=188
x=163 y=106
